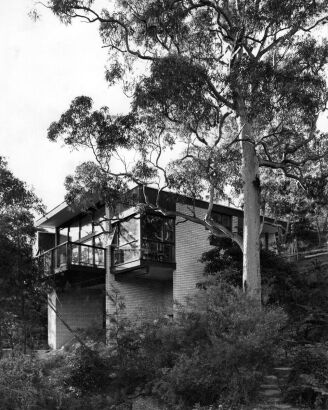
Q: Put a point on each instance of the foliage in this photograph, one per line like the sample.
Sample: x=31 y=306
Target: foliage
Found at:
x=30 y=383
x=223 y=349
x=88 y=372
x=23 y=385
x=208 y=67
x=307 y=384
x=209 y=354
x=303 y=207
x=301 y=291
x=214 y=353
x=21 y=316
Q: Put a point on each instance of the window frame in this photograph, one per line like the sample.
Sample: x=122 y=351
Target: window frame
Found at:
x=78 y=219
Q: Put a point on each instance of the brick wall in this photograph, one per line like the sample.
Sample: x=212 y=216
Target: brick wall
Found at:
x=80 y=308
x=148 y=298
x=144 y=298
x=191 y=242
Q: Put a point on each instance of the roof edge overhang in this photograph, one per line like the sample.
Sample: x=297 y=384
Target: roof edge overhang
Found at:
x=63 y=212
x=57 y=216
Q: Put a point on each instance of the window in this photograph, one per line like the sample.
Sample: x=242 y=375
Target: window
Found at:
x=126 y=241
x=240 y=226
x=86 y=226
x=129 y=231
x=101 y=240
x=158 y=238
x=63 y=235
x=158 y=228
x=87 y=253
x=99 y=222
x=223 y=219
x=86 y=241
x=82 y=227
x=74 y=231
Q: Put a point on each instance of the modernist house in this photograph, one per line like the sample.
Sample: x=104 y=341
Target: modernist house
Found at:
x=151 y=259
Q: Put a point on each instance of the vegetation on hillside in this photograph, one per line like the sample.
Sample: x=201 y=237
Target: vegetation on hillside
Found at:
x=22 y=316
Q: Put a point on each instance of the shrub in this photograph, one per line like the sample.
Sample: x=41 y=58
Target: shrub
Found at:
x=24 y=385
x=235 y=343
x=88 y=372
x=303 y=295
x=212 y=354
x=308 y=381
x=29 y=383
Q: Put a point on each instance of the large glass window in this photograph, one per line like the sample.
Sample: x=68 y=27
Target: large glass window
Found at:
x=74 y=231
x=129 y=231
x=223 y=219
x=63 y=235
x=101 y=240
x=126 y=241
x=87 y=240
x=83 y=227
x=86 y=226
x=87 y=253
x=99 y=221
x=158 y=238
x=158 y=228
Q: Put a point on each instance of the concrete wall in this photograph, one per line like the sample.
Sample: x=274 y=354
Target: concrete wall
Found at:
x=80 y=309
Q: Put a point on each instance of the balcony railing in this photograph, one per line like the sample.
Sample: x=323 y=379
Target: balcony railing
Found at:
x=152 y=251
x=72 y=254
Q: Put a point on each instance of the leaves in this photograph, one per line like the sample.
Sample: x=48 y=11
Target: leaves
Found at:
x=18 y=275
x=91 y=185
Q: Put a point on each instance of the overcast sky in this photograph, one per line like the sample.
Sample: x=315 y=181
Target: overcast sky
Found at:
x=43 y=66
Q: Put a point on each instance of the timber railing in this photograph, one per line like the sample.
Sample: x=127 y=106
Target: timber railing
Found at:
x=299 y=256
x=153 y=251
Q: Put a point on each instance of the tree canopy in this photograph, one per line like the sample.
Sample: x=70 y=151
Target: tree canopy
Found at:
x=18 y=205
x=240 y=84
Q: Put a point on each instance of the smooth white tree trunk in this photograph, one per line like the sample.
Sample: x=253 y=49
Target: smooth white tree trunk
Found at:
x=252 y=225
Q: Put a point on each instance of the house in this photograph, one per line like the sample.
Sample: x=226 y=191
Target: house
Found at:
x=153 y=260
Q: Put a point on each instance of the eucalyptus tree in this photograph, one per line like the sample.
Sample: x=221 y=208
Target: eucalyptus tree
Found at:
x=18 y=277
x=303 y=207
x=230 y=76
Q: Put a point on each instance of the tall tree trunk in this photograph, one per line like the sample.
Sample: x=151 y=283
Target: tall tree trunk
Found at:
x=251 y=188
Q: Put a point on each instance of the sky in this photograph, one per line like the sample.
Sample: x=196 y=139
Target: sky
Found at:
x=43 y=66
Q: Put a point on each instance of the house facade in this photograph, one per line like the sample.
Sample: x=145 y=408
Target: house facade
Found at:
x=151 y=259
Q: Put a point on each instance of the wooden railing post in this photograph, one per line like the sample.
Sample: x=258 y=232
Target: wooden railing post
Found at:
x=68 y=254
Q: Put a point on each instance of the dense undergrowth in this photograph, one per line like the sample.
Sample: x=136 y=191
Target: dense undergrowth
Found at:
x=213 y=355
x=303 y=296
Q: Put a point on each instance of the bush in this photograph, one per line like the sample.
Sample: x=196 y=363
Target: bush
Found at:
x=213 y=354
x=308 y=381
x=303 y=295
x=24 y=385
x=29 y=383
x=222 y=359
x=88 y=372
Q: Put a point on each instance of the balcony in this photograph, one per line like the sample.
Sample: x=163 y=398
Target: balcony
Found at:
x=75 y=261
x=152 y=254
